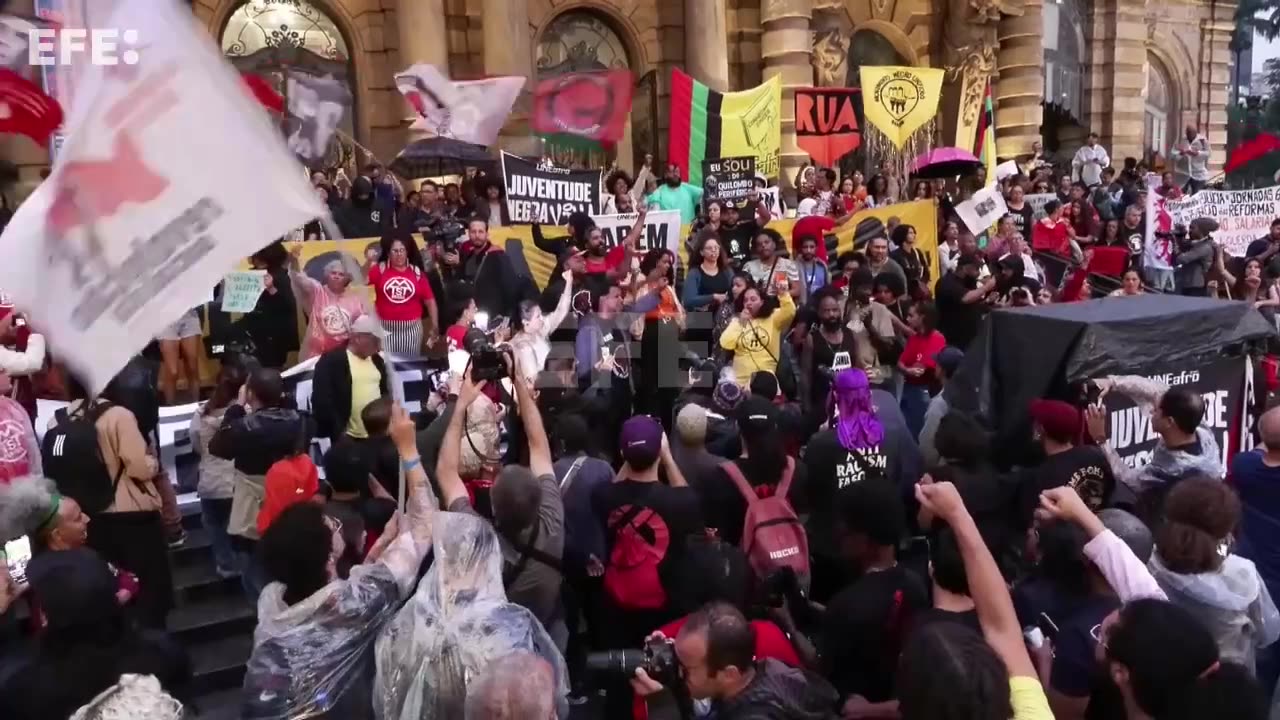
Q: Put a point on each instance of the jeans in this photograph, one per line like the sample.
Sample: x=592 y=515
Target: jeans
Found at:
x=1194 y=186
x=1161 y=280
x=215 y=512
x=915 y=401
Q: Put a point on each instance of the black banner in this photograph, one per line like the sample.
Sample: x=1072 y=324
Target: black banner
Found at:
x=729 y=179
x=545 y=194
x=1220 y=381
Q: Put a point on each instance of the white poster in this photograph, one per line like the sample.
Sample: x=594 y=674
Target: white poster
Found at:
x=661 y=229
x=1037 y=202
x=1243 y=215
x=983 y=210
x=169 y=177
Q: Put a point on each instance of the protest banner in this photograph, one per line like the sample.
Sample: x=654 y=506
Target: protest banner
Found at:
x=827 y=126
x=124 y=237
x=661 y=229
x=1037 y=202
x=728 y=179
x=545 y=194
x=982 y=210
x=241 y=290
x=902 y=99
x=1220 y=381
x=1243 y=215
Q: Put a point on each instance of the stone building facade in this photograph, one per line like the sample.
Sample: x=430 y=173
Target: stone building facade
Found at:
x=1136 y=71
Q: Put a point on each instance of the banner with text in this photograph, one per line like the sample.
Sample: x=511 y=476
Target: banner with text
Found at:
x=661 y=229
x=728 y=179
x=827 y=124
x=543 y=193
x=1243 y=215
x=1037 y=202
x=1220 y=381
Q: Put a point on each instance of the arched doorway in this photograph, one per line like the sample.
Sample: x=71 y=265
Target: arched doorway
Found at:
x=277 y=38
x=581 y=41
x=869 y=47
x=1159 y=127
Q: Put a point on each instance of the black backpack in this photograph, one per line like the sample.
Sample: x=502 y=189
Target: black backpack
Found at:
x=73 y=459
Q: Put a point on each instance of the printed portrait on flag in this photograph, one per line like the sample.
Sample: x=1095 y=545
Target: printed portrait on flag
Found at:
x=317 y=106
x=706 y=124
x=827 y=123
x=898 y=101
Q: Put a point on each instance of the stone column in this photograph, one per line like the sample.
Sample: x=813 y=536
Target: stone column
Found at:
x=1129 y=82
x=785 y=50
x=508 y=50
x=706 y=43
x=1019 y=89
x=423 y=39
x=1215 y=55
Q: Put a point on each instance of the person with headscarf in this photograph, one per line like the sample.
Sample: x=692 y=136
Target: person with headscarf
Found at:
x=457 y=624
x=331 y=308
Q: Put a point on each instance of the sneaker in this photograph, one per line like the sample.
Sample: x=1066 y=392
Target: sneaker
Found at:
x=178 y=540
x=226 y=574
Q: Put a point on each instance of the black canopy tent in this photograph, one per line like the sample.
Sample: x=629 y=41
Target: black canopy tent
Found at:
x=1024 y=353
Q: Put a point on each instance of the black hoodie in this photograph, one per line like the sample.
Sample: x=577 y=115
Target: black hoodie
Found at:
x=362 y=217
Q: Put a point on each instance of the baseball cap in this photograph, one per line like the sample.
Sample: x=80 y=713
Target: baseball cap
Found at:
x=949 y=359
x=1058 y=418
x=366 y=325
x=641 y=441
x=758 y=414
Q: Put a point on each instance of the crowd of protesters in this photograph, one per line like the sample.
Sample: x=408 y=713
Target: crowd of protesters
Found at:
x=741 y=470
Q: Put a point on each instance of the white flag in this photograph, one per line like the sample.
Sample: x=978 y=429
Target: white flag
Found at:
x=982 y=210
x=473 y=111
x=169 y=177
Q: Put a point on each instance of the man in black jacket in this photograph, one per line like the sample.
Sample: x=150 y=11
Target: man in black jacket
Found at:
x=486 y=269
x=345 y=377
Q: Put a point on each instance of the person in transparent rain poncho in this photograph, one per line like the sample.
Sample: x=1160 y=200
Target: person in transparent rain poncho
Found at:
x=458 y=623
x=313 y=647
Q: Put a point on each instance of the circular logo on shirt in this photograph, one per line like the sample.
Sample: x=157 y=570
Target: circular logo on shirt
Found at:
x=335 y=320
x=398 y=290
x=12 y=448
x=1135 y=243
x=754 y=339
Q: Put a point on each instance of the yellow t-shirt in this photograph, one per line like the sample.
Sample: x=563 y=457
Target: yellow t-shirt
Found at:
x=366 y=386
x=757 y=344
x=1028 y=700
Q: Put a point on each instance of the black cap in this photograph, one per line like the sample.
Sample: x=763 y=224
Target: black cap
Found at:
x=75 y=587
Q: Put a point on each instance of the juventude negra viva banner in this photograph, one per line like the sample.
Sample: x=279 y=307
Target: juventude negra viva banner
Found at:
x=1220 y=381
x=545 y=194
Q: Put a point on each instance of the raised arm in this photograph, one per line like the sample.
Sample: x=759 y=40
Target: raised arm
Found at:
x=986 y=584
x=447 y=477
x=535 y=432
x=561 y=312
x=1124 y=572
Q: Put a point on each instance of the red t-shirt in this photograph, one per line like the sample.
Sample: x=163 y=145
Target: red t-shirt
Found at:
x=920 y=351
x=1052 y=238
x=815 y=226
x=611 y=260
x=399 y=294
x=771 y=642
x=456 y=336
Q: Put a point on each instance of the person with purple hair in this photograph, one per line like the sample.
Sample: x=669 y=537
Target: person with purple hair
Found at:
x=854 y=447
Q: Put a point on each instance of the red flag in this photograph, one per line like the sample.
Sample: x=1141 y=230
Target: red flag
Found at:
x=592 y=105
x=263 y=91
x=25 y=109
x=1249 y=151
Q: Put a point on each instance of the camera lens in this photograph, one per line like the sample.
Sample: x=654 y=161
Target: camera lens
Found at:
x=619 y=662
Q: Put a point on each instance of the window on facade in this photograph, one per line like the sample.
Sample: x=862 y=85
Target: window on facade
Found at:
x=1158 y=109
x=274 y=38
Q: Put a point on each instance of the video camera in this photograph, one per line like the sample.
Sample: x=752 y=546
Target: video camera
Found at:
x=487 y=362
x=657 y=658
x=447 y=234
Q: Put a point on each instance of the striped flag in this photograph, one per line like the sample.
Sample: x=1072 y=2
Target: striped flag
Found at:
x=984 y=146
x=709 y=125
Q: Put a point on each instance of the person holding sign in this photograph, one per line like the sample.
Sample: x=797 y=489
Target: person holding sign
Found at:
x=755 y=335
x=401 y=293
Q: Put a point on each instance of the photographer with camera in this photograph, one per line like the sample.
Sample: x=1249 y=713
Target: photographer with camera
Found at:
x=715 y=652
x=487 y=270
x=527 y=510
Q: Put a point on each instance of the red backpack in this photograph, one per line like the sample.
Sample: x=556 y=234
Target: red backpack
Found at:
x=640 y=542
x=773 y=537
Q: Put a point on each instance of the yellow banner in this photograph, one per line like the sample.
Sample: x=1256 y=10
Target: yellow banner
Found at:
x=752 y=125
x=518 y=241
x=899 y=100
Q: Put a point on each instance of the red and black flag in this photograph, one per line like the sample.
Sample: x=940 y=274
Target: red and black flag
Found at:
x=827 y=123
x=592 y=106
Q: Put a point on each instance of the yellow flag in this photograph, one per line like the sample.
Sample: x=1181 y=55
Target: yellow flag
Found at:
x=899 y=100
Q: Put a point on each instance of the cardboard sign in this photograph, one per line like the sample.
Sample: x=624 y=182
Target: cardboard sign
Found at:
x=241 y=290
x=728 y=179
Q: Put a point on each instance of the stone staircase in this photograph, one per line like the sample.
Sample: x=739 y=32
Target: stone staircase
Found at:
x=214 y=622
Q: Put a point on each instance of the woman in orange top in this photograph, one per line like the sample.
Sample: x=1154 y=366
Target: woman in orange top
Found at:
x=660 y=347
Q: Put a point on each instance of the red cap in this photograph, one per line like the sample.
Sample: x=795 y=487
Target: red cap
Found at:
x=289 y=481
x=1059 y=419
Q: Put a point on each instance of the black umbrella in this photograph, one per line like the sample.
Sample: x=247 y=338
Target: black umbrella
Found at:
x=432 y=157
